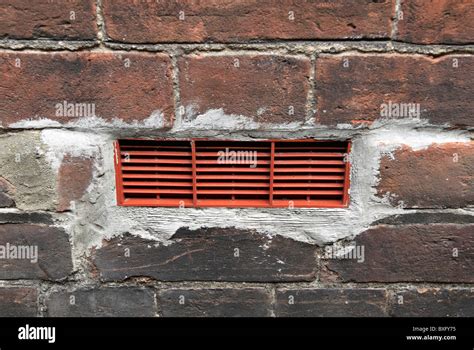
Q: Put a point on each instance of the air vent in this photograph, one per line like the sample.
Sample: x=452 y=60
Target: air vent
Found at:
x=239 y=174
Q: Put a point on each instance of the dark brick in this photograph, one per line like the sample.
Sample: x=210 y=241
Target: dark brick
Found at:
x=105 y=302
x=26 y=217
x=356 y=93
x=5 y=194
x=245 y=20
x=434 y=303
x=425 y=218
x=214 y=302
x=18 y=302
x=48 y=19
x=265 y=88
x=441 y=176
x=411 y=253
x=44 y=81
x=437 y=22
x=331 y=303
x=54 y=252
x=6 y=201
x=75 y=175
x=208 y=255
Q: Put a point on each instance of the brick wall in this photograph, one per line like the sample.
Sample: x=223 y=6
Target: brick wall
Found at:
x=240 y=70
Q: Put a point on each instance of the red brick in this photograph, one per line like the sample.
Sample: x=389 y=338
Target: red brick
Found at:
x=352 y=87
x=103 y=80
x=441 y=176
x=437 y=22
x=18 y=302
x=265 y=88
x=75 y=175
x=243 y=20
x=48 y=19
x=411 y=253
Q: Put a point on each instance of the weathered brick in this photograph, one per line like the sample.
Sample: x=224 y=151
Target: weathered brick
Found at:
x=255 y=302
x=18 y=302
x=105 y=302
x=53 y=252
x=5 y=194
x=351 y=88
x=331 y=303
x=422 y=218
x=439 y=302
x=411 y=253
x=244 y=20
x=75 y=175
x=24 y=165
x=436 y=22
x=48 y=19
x=125 y=86
x=264 y=88
x=26 y=217
x=441 y=176
x=208 y=254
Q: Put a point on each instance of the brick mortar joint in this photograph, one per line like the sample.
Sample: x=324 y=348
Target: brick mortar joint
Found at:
x=307 y=48
x=397 y=12
x=100 y=22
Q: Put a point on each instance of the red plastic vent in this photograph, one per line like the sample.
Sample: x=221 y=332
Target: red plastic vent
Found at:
x=203 y=173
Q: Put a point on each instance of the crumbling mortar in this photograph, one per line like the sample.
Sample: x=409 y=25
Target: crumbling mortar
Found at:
x=311 y=99
x=395 y=19
x=176 y=90
x=304 y=47
x=100 y=22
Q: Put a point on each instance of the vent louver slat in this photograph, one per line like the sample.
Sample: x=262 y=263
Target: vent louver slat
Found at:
x=203 y=173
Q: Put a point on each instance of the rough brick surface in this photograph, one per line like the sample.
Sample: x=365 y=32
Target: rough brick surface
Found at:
x=212 y=254
x=352 y=87
x=265 y=88
x=411 y=253
x=425 y=302
x=75 y=175
x=441 y=176
x=437 y=22
x=392 y=76
x=18 y=302
x=331 y=303
x=106 y=302
x=48 y=19
x=126 y=86
x=427 y=217
x=215 y=302
x=244 y=20
x=24 y=166
x=53 y=248
x=26 y=217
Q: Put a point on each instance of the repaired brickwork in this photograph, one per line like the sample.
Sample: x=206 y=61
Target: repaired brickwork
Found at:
x=393 y=76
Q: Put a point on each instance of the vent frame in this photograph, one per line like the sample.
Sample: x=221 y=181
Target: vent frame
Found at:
x=195 y=198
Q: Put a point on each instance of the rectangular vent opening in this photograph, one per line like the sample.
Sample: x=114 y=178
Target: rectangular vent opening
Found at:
x=236 y=174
